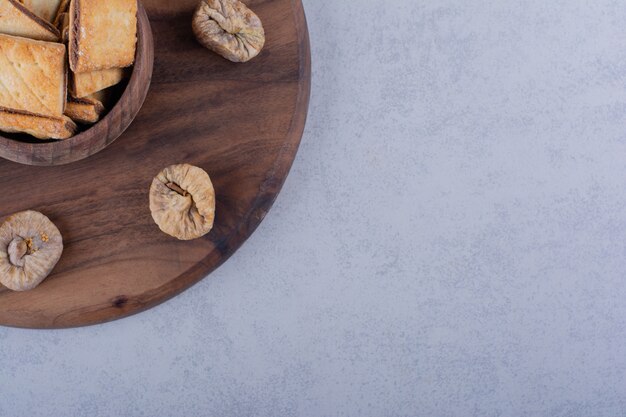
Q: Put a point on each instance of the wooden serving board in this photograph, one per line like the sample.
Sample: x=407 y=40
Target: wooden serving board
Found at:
x=242 y=123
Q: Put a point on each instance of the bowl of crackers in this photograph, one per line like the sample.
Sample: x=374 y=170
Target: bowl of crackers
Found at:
x=73 y=76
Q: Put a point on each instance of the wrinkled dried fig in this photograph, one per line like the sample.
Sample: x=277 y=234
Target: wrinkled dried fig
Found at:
x=30 y=247
x=229 y=28
x=182 y=201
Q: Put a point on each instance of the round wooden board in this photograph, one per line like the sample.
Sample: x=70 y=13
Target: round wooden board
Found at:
x=242 y=123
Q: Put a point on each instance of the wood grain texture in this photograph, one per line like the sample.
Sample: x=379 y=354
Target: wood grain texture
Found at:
x=105 y=132
x=242 y=123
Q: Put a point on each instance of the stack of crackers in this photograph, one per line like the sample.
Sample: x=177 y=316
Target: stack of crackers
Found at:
x=58 y=59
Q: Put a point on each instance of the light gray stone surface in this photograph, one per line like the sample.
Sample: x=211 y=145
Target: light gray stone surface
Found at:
x=451 y=240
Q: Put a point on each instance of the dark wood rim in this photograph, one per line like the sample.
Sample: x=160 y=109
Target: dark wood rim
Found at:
x=106 y=131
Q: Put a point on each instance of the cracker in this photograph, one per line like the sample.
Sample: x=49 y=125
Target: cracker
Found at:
x=17 y=20
x=33 y=76
x=46 y=9
x=86 y=83
x=103 y=34
x=41 y=127
x=85 y=110
x=64 y=27
x=63 y=8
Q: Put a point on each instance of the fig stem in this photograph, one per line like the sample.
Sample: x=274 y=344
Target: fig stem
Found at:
x=175 y=187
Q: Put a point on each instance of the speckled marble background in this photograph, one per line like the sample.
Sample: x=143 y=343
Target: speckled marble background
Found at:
x=451 y=240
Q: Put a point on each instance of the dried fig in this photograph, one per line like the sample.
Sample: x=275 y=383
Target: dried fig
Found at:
x=30 y=247
x=229 y=28
x=182 y=201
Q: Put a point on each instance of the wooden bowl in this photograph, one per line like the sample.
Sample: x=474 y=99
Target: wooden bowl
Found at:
x=103 y=133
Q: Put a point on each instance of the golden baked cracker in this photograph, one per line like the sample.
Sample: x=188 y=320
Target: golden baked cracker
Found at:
x=63 y=8
x=17 y=20
x=86 y=83
x=103 y=34
x=65 y=35
x=85 y=110
x=46 y=9
x=63 y=23
x=41 y=127
x=33 y=76
x=64 y=27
